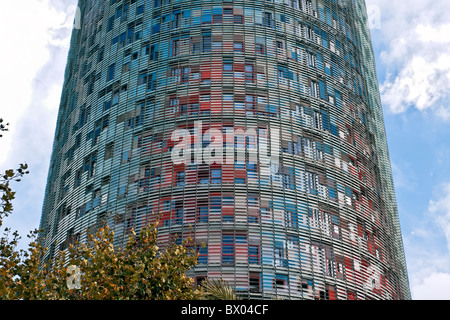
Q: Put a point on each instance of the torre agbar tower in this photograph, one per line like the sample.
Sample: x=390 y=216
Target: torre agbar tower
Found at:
x=253 y=127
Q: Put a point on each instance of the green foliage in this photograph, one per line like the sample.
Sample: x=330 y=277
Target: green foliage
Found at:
x=139 y=270
x=3 y=127
x=6 y=193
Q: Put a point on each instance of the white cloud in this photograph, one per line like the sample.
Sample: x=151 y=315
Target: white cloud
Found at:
x=428 y=248
x=434 y=287
x=416 y=35
x=427 y=33
x=440 y=211
x=29 y=28
x=38 y=36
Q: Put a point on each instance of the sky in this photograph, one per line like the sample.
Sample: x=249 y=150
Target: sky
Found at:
x=411 y=41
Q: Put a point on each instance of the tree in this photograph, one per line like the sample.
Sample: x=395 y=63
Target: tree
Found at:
x=217 y=289
x=96 y=269
x=6 y=193
x=140 y=270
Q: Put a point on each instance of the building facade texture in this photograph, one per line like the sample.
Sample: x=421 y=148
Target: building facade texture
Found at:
x=305 y=208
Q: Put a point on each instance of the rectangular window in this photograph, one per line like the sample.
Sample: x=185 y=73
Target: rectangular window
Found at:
x=167 y=205
x=202 y=254
x=259 y=48
x=140 y=10
x=109 y=150
x=249 y=73
x=203 y=213
x=238 y=19
x=238 y=47
x=216 y=205
x=227 y=67
x=254 y=282
x=279 y=282
x=175 y=47
x=111 y=71
x=180 y=178
x=279 y=252
x=125 y=67
x=179 y=213
x=227 y=249
x=216 y=176
x=207 y=43
x=314 y=89
x=142 y=79
x=289 y=219
x=111 y=23
x=253 y=254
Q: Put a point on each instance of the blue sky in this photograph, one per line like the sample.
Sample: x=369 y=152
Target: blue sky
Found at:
x=412 y=47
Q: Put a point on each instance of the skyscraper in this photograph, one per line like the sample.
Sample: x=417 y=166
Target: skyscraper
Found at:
x=252 y=127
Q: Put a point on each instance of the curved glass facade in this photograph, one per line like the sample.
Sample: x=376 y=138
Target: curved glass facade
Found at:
x=253 y=127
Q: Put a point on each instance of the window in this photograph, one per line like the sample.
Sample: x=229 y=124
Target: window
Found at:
x=167 y=205
x=227 y=67
x=179 y=213
x=216 y=176
x=252 y=201
x=176 y=20
x=317 y=120
x=90 y=163
x=180 y=178
x=289 y=219
x=216 y=205
x=268 y=21
x=314 y=89
x=111 y=71
x=253 y=254
x=109 y=150
x=175 y=47
x=142 y=79
x=227 y=249
x=254 y=282
x=259 y=48
x=126 y=67
x=203 y=213
x=229 y=97
x=153 y=52
x=111 y=23
x=122 y=191
x=202 y=254
x=78 y=176
x=147 y=79
x=311 y=59
x=249 y=73
x=238 y=19
x=228 y=201
x=279 y=282
x=280 y=260
x=140 y=10
x=207 y=43
x=311 y=182
x=238 y=47
x=251 y=170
